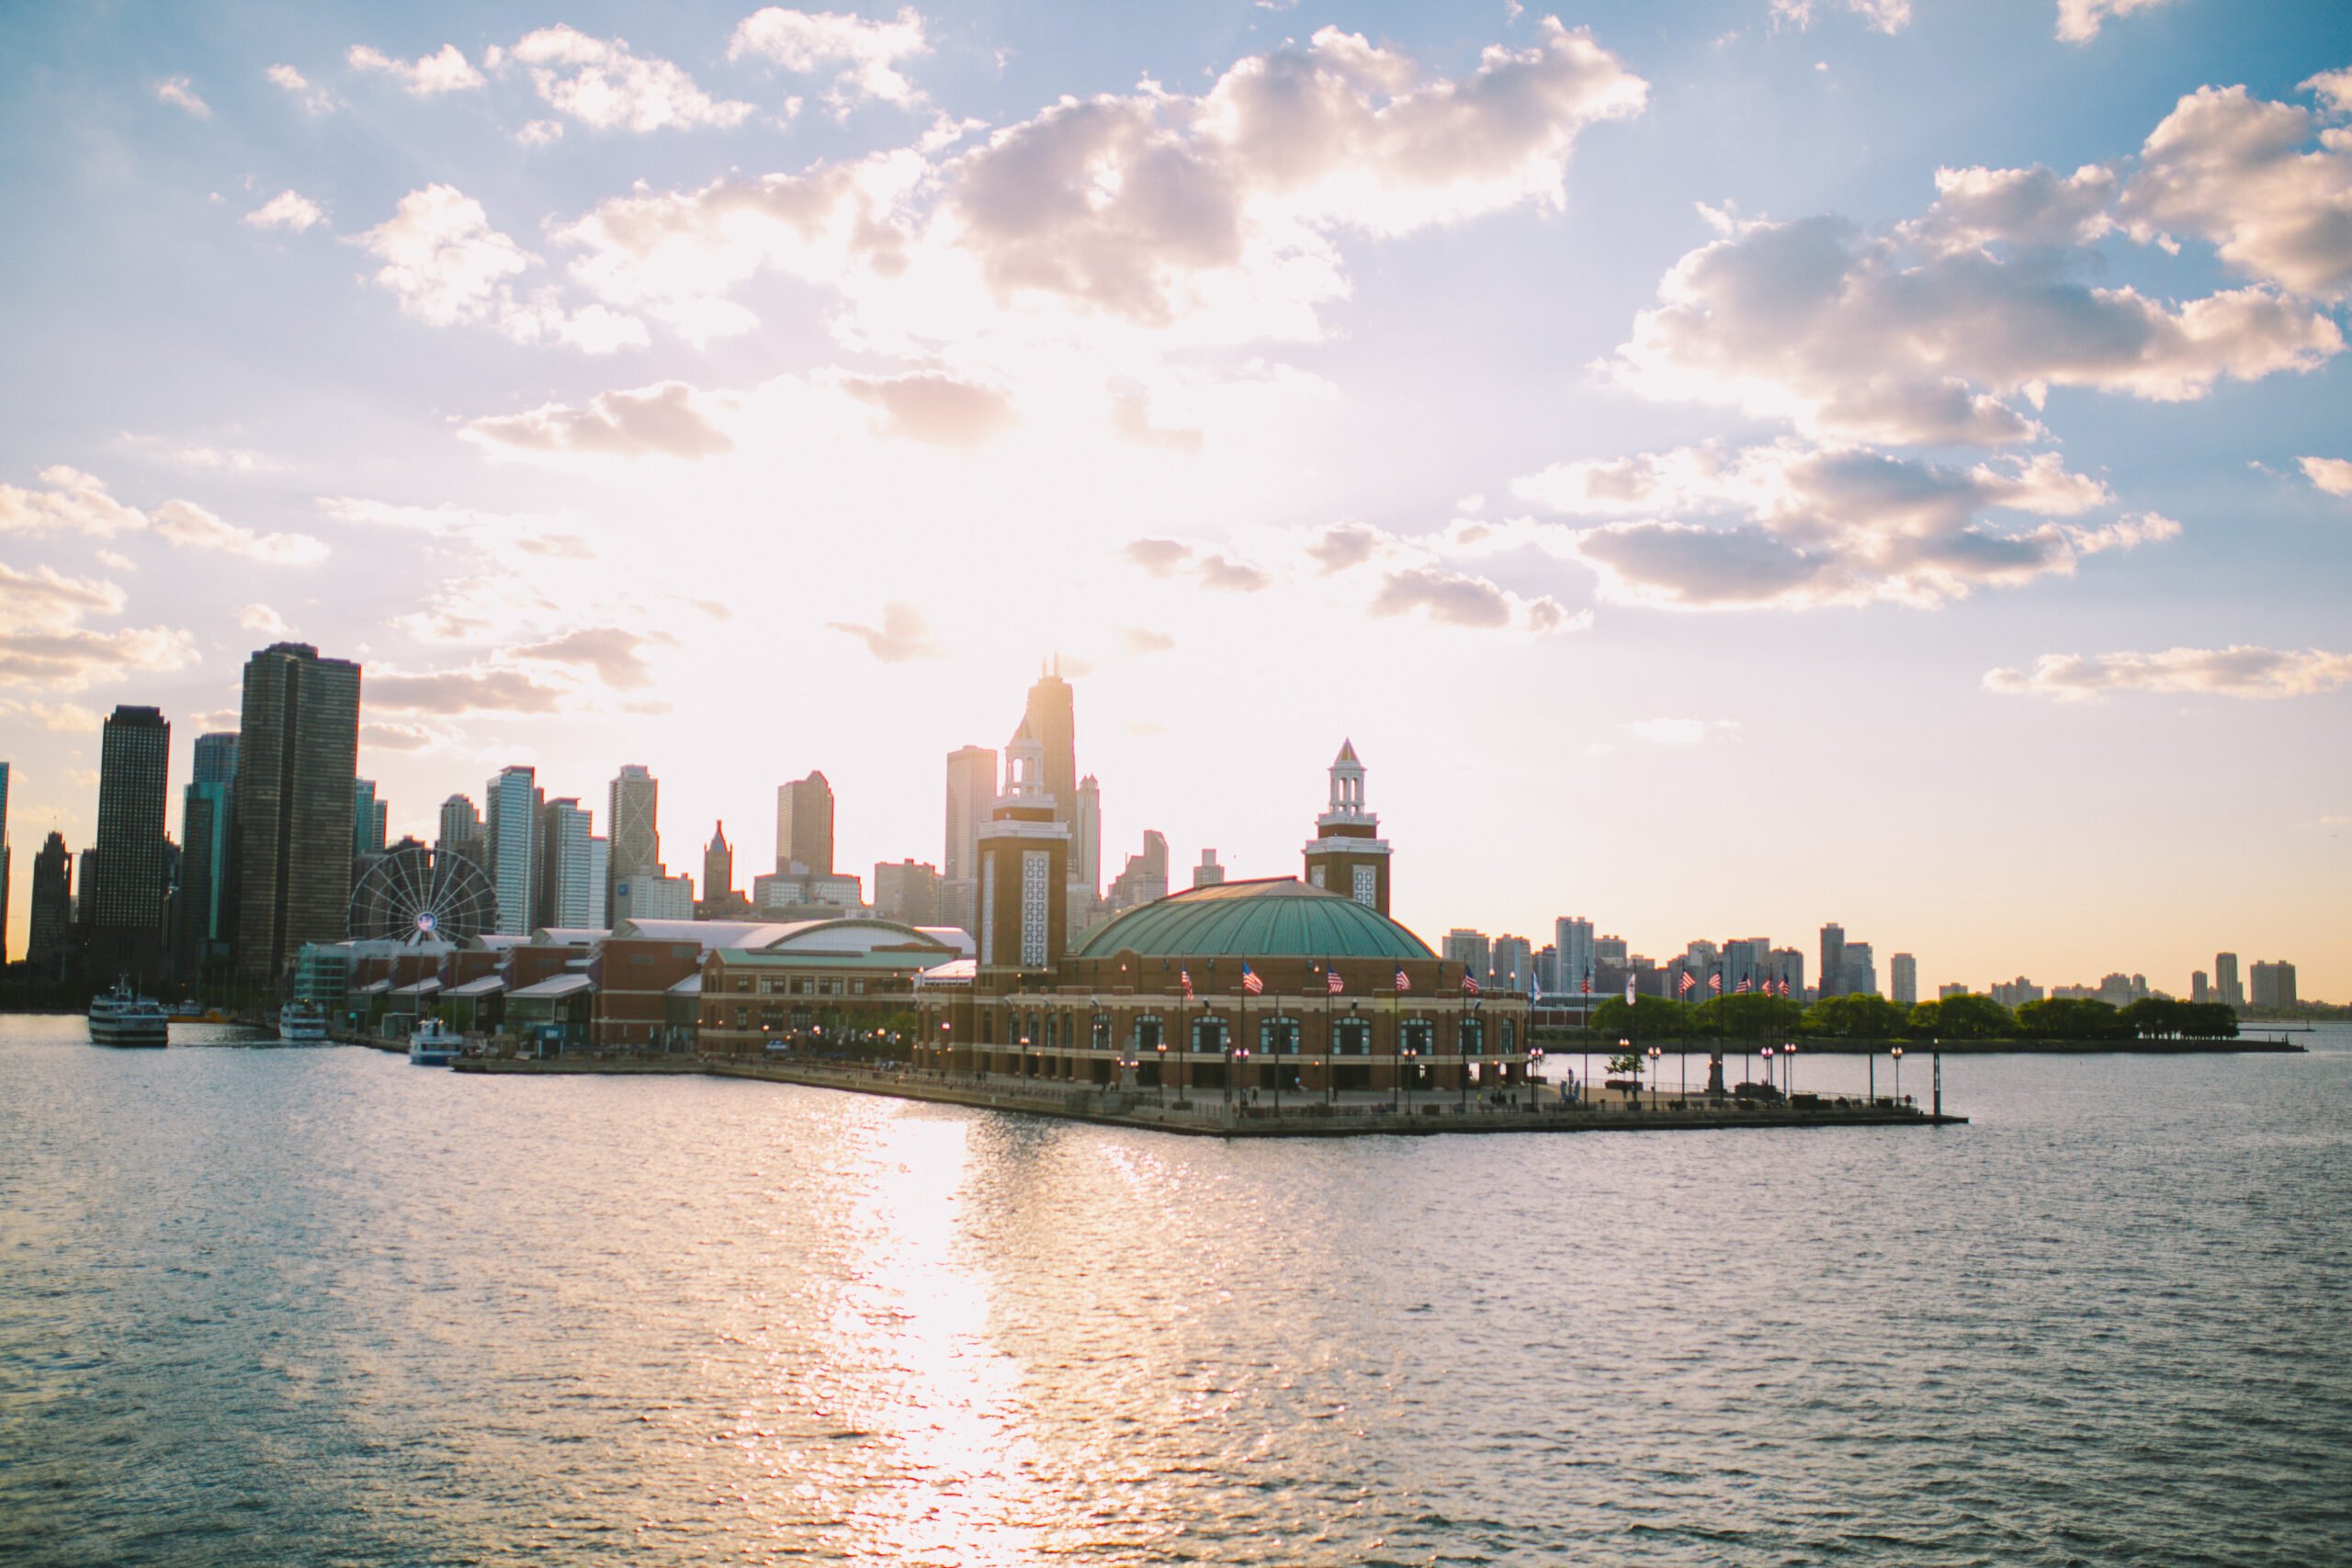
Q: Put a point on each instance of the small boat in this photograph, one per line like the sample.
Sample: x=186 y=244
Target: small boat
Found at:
x=434 y=1045
x=302 y=1022
x=122 y=1016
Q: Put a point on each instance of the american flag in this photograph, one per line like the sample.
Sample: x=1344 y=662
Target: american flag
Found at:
x=1250 y=981
x=1469 y=982
x=1402 y=983
x=1715 y=983
x=1184 y=978
x=1332 y=983
x=1747 y=984
x=1688 y=980
x=1588 y=982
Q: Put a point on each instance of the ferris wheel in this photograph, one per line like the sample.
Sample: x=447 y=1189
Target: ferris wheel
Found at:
x=411 y=894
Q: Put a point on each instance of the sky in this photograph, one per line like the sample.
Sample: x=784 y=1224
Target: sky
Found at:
x=1727 y=466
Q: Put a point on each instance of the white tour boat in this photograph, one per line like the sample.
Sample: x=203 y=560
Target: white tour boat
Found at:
x=123 y=1017
x=302 y=1023
x=434 y=1045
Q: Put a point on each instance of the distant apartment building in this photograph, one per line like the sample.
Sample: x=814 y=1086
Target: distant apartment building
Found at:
x=1514 y=963
x=2225 y=980
x=461 y=833
x=1144 y=879
x=298 y=761
x=510 y=803
x=1858 y=972
x=1578 y=951
x=2014 y=994
x=1945 y=992
x=644 y=896
x=2273 y=985
x=1903 y=980
x=971 y=797
x=1746 y=961
x=906 y=892
x=1471 y=950
x=804 y=827
x=1086 y=838
x=1208 y=874
x=632 y=828
x=206 y=910
x=569 y=890
x=1788 y=971
x=2201 y=988
x=370 y=820
x=1833 y=959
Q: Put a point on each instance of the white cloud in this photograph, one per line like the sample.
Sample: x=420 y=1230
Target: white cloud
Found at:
x=448 y=266
x=2235 y=671
x=42 y=595
x=176 y=91
x=427 y=76
x=71 y=717
x=2333 y=475
x=211 y=459
x=602 y=84
x=903 y=634
x=1131 y=417
x=190 y=526
x=539 y=133
x=2241 y=172
x=470 y=689
x=2333 y=87
x=286 y=210
x=43 y=643
x=2078 y=20
x=1883 y=16
x=314 y=100
x=667 y=419
x=262 y=621
x=1462 y=599
x=616 y=654
x=938 y=410
x=1798 y=525
x=867 y=52
x=2036 y=208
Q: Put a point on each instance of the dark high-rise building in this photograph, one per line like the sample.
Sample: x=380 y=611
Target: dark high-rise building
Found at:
x=49 y=932
x=126 y=906
x=1833 y=959
x=718 y=868
x=4 y=862
x=297 y=767
x=1053 y=724
x=206 y=910
x=632 y=828
x=804 y=827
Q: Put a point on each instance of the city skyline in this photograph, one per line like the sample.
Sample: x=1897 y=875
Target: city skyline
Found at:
x=1423 y=466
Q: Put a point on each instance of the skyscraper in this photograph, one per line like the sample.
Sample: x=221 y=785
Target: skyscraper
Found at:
x=1469 y=949
x=127 y=904
x=461 y=831
x=804 y=826
x=1208 y=874
x=971 y=790
x=1053 y=724
x=1145 y=878
x=510 y=846
x=207 y=909
x=1833 y=959
x=565 y=867
x=2225 y=980
x=1905 y=982
x=2273 y=984
x=369 y=817
x=1859 y=976
x=49 y=933
x=1514 y=963
x=1086 y=839
x=298 y=763
x=4 y=862
x=632 y=818
x=718 y=868
x=1579 y=958
x=906 y=892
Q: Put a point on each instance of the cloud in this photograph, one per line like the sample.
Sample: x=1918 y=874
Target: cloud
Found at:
x=2235 y=671
x=2333 y=87
x=315 y=100
x=71 y=717
x=1131 y=417
x=1865 y=338
x=2035 y=207
x=539 y=133
x=286 y=210
x=618 y=656
x=665 y=420
x=1888 y=16
x=190 y=526
x=808 y=42
x=425 y=78
x=2333 y=475
x=903 y=634
x=397 y=737
x=1456 y=599
x=42 y=596
x=602 y=84
x=1232 y=576
x=1798 y=525
x=1143 y=640
x=2078 y=20
x=448 y=266
x=1170 y=557
x=1160 y=558
x=176 y=91
x=262 y=621
x=451 y=693
x=211 y=459
x=2241 y=172
x=43 y=643
x=936 y=409
x=1345 y=545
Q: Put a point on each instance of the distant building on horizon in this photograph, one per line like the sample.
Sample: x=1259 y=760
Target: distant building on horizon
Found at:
x=1579 y=953
x=4 y=862
x=1833 y=959
x=370 y=819
x=510 y=803
x=971 y=793
x=49 y=928
x=570 y=883
x=1086 y=839
x=718 y=866
x=126 y=904
x=298 y=761
x=632 y=827
x=1024 y=868
x=1470 y=949
x=2225 y=980
x=907 y=891
x=1052 y=717
x=2201 y=989
x=2273 y=984
x=1857 y=971
x=804 y=827
x=1208 y=874
x=1513 y=962
x=1904 y=979
x=206 y=907
x=1144 y=879
x=461 y=831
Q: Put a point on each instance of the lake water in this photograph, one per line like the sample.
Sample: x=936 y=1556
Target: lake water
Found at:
x=267 y=1306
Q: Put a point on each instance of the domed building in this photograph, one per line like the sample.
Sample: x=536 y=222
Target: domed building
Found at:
x=1282 y=986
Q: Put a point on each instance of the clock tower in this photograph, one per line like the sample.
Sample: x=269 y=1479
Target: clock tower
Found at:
x=1347 y=855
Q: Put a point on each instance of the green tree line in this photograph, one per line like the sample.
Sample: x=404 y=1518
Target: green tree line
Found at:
x=1964 y=1018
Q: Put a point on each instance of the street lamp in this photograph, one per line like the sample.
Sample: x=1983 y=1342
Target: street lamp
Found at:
x=1654 y=1054
x=1163 y=1073
x=1897 y=1054
x=1789 y=1068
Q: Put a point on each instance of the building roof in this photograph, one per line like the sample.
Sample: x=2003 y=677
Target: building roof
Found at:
x=488 y=986
x=955 y=973
x=1271 y=918
x=561 y=986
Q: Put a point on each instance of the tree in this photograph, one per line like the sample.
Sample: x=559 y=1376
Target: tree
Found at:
x=1856 y=1017
x=1647 y=1018
x=1969 y=1016
x=2161 y=1018
x=2082 y=1018
x=1752 y=1016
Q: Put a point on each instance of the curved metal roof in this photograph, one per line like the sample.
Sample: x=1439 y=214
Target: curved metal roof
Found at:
x=1277 y=917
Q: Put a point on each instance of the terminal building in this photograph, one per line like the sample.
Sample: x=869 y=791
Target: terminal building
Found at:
x=1278 y=985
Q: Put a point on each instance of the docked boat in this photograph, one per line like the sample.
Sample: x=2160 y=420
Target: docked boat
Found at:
x=302 y=1023
x=122 y=1016
x=434 y=1045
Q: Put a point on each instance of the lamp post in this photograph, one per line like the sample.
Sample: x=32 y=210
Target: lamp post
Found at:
x=1240 y=1056
x=1766 y=1055
x=1163 y=1074
x=1896 y=1052
x=1654 y=1054
x=1789 y=1068
x=1462 y=1065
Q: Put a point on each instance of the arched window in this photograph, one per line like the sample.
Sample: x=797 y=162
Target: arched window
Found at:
x=1278 y=1036
x=1102 y=1031
x=988 y=1029
x=1510 y=1036
x=1147 y=1032
x=1208 y=1034
x=1351 y=1037
x=1418 y=1036
x=1474 y=1036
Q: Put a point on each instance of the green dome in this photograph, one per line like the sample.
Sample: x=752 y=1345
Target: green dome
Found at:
x=1278 y=917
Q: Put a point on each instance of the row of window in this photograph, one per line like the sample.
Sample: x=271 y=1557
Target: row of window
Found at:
x=1277 y=1036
